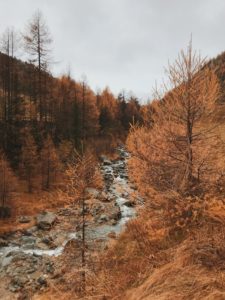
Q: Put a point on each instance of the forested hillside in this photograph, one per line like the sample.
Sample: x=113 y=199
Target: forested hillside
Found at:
x=102 y=196
x=42 y=118
x=175 y=248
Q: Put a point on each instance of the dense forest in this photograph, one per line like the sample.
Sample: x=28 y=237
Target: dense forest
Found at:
x=41 y=114
x=105 y=197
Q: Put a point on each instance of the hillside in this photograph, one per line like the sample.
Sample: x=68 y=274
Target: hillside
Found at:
x=103 y=197
x=175 y=248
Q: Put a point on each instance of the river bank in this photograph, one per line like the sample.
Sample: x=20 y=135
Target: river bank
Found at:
x=32 y=258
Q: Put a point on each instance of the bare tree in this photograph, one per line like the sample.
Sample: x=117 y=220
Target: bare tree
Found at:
x=37 y=43
x=9 y=45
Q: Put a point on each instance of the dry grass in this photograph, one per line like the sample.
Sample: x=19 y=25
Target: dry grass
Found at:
x=25 y=204
x=148 y=262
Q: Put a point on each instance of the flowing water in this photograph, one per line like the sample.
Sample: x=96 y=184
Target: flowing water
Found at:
x=117 y=186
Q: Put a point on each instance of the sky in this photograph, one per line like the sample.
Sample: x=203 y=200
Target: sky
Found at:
x=123 y=44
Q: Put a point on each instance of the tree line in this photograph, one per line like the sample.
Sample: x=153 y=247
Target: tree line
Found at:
x=42 y=116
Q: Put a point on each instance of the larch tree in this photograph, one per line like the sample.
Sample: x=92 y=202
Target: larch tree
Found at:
x=178 y=150
x=82 y=173
x=37 y=43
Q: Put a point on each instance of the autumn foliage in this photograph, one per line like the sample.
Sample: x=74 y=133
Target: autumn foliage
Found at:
x=179 y=150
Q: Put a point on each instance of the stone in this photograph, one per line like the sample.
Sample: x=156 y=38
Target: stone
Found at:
x=6 y=261
x=116 y=215
x=31 y=270
x=114 y=222
x=108 y=177
x=129 y=203
x=13 y=288
x=124 y=176
x=105 y=160
x=46 y=220
x=42 y=280
x=19 y=281
x=50 y=267
x=31 y=230
x=24 y=219
x=47 y=240
x=103 y=218
x=3 y=243
x=28 y=239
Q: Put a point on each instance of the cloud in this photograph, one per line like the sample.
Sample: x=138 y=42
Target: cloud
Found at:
x=124 y=44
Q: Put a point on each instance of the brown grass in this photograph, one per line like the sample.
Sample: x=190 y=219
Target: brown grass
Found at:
x=25 y=204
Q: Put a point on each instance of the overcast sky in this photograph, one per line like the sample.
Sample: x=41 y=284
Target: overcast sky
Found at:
x=123 y=44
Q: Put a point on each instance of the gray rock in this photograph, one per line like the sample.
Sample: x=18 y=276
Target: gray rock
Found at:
x=3 y=243
x=31 y=270
x=113 y=222
x=103 y=218
x=28 y=240
x=47 y=240
x=46 y=220
x=32 y=230
x=18 y=282
x=129 y=203
x=24 y=219
x=105 y=160
x=116 y=215
x=42 y=280
x=108 y=177
x=6 y=261
x=13 y=288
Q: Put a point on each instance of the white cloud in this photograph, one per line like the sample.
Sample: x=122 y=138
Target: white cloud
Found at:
x=122 y=43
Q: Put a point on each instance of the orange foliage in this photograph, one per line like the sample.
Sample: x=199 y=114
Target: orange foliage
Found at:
x=181 y=147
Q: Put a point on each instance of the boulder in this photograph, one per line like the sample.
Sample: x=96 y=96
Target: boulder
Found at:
x=45 y=220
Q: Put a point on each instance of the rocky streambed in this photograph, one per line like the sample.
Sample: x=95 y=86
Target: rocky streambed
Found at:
x=28 y=258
